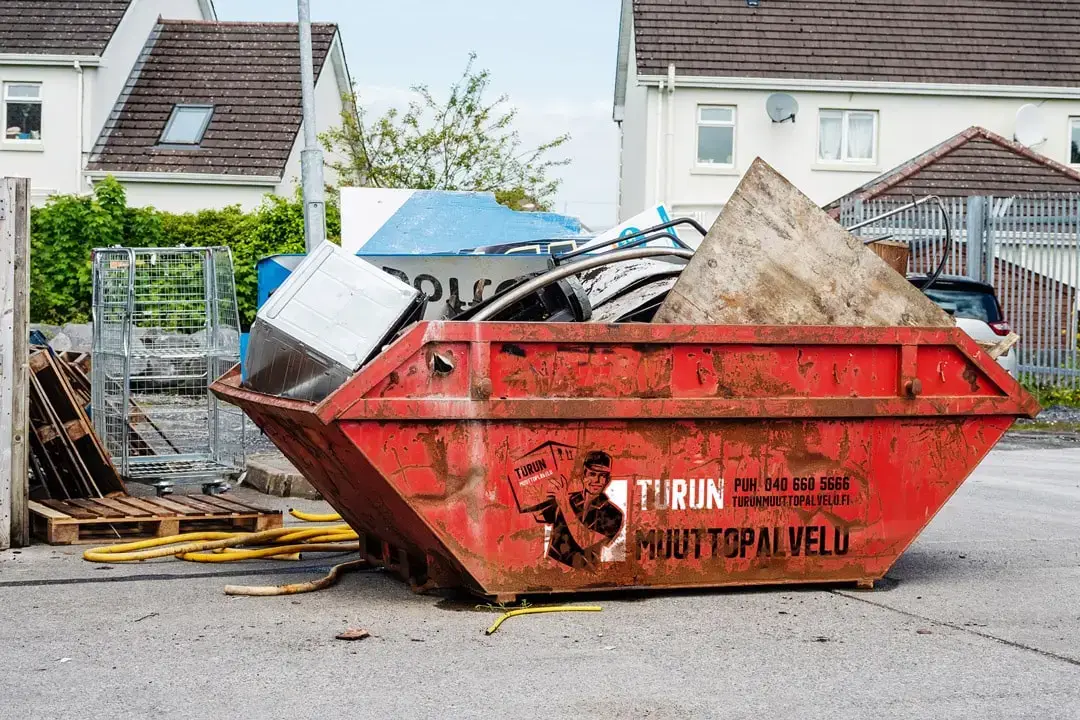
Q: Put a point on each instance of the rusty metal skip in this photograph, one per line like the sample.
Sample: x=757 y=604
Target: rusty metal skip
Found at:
x=530 y=458
x=635 y=455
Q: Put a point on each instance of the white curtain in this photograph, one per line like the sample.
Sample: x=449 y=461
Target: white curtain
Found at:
x=829 y=136
x=861 y=137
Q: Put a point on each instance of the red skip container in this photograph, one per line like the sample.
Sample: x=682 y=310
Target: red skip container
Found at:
x=513 y=459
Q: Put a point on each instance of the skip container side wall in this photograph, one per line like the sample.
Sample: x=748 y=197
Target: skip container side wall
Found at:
x=526 y=458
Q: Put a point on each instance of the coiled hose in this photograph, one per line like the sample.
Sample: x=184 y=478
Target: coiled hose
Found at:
x=218 y=547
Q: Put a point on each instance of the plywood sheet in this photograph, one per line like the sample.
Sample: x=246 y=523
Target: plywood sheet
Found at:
x=773 y=257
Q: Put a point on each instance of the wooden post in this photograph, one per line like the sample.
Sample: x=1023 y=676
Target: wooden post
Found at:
x=14 y=360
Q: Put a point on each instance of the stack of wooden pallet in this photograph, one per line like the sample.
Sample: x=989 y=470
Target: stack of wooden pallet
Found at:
x=77 y=494
x=66 y=458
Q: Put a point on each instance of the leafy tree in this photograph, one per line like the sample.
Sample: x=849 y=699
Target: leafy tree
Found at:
x=464 y=143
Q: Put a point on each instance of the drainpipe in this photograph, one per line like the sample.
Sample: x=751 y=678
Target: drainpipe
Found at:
x=659 y=154
x=669 y=166
x=619 y=192
x=79 y=129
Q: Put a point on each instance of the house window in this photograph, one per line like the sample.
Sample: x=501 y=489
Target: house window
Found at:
x=1074 y=141
x=847 y=136
x=22 y=111
x=716 y=136
x=187 y=124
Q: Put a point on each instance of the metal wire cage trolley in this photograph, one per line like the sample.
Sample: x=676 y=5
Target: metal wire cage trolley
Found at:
x=166 y=325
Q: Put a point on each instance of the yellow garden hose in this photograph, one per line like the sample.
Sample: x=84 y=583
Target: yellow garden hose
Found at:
x=214 y=557
x=535 y=610
x=296 y=588
x=314 y=517
x=218 y=547
x=281 y=544
x=179 y=545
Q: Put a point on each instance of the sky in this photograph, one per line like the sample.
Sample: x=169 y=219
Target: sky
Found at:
x=554 y=59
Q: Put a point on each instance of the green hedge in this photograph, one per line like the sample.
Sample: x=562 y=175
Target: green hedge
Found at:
x=65 y=230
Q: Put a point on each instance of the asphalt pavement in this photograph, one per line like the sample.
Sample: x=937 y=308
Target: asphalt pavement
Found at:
x=980 y=618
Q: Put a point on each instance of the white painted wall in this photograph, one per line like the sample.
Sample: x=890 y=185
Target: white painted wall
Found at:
x=907 y=126
x=53 y=164
x=633 y=182
x=189 y=197
x=122 y=52
x=328 y=107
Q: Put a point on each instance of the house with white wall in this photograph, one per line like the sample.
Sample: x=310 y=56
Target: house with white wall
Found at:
x=187 y=112
x=874 y=84
x=62 y=65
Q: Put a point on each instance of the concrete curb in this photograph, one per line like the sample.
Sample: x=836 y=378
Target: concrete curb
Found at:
x=272 y=474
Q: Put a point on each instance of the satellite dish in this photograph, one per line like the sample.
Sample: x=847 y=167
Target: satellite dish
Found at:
x=1030 y=130
x=781 y=107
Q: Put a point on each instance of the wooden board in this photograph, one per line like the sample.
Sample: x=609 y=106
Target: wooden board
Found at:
x=124 y=518
x=75 y=461
x=773 y=257
x=895 y=254
x=14 y=373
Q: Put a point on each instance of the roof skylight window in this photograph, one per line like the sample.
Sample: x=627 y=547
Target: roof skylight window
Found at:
x=187 y=124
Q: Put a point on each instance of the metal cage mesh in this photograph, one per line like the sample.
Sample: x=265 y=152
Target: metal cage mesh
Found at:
x=165 y=327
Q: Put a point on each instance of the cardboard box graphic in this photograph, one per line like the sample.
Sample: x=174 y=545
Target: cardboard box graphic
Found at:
x=532 y=473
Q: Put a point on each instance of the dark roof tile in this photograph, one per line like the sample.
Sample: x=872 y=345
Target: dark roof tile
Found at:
x=250 y=72
x=974 y=162
x=997 y=42
x=59 y=27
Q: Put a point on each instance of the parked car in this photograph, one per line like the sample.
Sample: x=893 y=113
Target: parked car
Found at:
x=976 y=309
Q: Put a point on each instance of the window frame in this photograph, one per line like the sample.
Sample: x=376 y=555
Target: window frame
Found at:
x=733 y=124
x=845 y=121
x=5 y=100
x=1074 y=126
x=176 y=111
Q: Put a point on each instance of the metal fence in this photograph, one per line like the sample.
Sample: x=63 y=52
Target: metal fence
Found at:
x=1025 y=246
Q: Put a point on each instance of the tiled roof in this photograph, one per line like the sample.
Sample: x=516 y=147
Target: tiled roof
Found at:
x=998 y=42
x=249 y=72
x=974 y=162
x=59 y=27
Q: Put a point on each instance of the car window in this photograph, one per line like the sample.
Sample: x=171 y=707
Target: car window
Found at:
x=967 y=304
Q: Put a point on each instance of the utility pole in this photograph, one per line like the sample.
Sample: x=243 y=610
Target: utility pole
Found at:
x=311 y=158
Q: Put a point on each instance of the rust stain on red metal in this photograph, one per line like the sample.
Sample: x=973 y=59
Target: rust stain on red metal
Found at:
x=563 y=457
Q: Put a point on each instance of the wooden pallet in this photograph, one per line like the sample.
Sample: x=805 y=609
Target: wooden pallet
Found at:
x=124 y=518
x=68 y=453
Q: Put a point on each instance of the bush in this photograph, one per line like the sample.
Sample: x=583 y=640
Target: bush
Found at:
x=1051 y=395
x=65 y=231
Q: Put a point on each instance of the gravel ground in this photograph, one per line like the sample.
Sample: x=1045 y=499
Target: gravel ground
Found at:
x=1057 y=414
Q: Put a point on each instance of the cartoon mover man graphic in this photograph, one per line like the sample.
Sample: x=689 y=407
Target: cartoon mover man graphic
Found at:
x=583 y=519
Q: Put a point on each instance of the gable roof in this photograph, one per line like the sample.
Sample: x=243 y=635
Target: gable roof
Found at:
x=986 y=42
x=974 y=162
x=249 y=72
x=59 y=27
